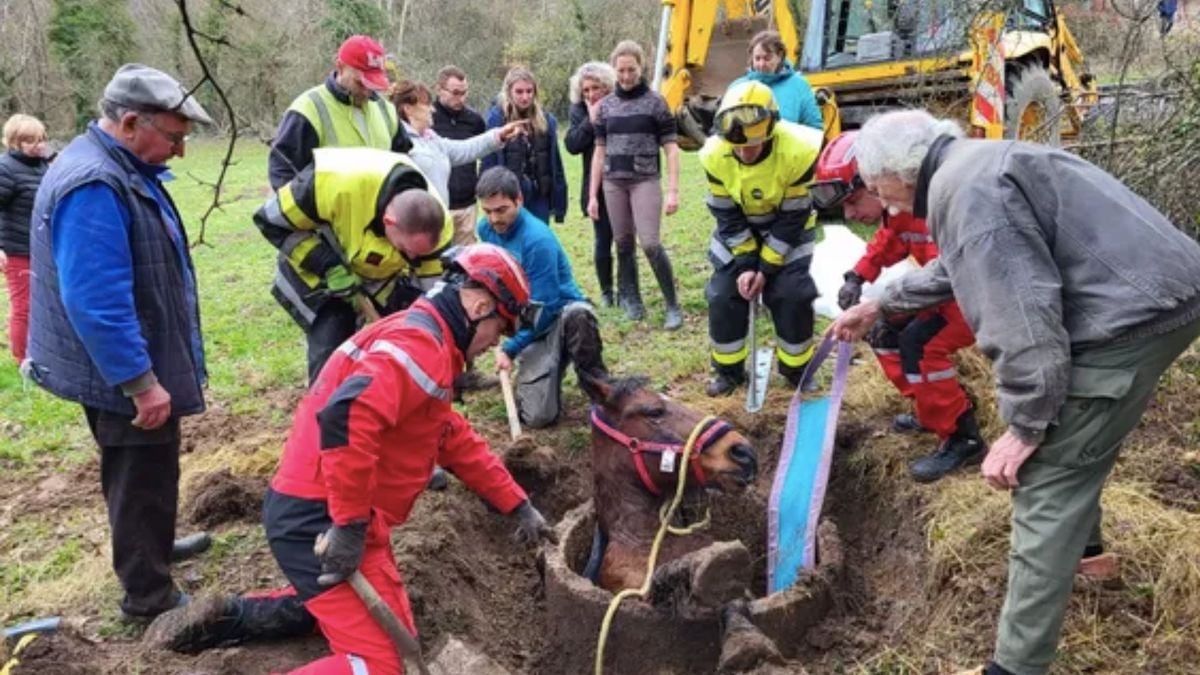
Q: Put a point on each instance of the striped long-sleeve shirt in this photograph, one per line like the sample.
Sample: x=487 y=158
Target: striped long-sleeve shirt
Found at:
x=633 y=124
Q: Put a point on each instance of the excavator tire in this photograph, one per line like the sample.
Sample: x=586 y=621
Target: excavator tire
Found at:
x=1033 y=109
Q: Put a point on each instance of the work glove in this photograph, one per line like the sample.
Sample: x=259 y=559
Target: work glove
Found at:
x=851 y=291
x=340 y=282
x=532 y=528
x=340 y=550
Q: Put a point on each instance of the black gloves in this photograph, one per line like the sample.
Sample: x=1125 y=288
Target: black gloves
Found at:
x=851 y=291
x=340 y=550
x=532 y=528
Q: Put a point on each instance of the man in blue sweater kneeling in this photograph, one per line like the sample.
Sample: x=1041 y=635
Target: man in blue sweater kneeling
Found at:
x=566 y=329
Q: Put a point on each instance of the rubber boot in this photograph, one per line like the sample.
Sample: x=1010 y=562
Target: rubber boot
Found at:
x=186 y=548
x=661 y=264
x=964 y=446
x=604 y=274
x=581 y=336
x=906 y=423
x=224 y=621
x=629 y=296
x=793 y=377
x=724 y=381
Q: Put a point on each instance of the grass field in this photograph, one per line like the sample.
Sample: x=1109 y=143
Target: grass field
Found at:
x=253 y=347
x=1150 y=623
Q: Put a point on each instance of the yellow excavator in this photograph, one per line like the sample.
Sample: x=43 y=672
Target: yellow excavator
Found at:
x=1009 y=68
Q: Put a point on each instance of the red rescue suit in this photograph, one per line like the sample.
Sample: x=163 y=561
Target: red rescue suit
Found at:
x=914 y=350
x=364 y=441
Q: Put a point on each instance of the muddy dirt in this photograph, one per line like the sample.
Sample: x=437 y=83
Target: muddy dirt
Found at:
x=220 y=497
x=467 y=579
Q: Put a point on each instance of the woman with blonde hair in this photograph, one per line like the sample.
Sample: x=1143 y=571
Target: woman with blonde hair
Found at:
x=21 y=170
x=534 y=157
x=592 y=82
x=632 y=125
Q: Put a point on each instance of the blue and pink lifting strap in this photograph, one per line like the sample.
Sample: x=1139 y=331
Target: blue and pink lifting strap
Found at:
x=798 y=491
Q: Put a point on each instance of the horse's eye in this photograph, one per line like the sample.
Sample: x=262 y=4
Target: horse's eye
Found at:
x=656 y=413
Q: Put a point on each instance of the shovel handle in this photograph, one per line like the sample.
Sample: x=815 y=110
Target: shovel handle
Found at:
x=510 y=405
x=366 y=308
x=406 y=645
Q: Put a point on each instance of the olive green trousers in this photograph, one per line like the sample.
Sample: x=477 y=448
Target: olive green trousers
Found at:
x=1056 y=509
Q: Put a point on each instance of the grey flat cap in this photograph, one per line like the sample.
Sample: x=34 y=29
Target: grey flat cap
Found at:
x=142 y=87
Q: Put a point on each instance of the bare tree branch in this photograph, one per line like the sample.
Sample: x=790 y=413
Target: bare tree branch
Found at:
x=233 y=7
x=226 y=162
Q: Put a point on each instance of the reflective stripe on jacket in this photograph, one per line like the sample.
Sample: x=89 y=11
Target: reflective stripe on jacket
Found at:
x=763 y=210
x=369 y=431
x=339 y=125
x=332 y=213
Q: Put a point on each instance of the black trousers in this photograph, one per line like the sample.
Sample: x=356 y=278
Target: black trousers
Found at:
x=789 y=295
x=335 y=323
x=139 y=475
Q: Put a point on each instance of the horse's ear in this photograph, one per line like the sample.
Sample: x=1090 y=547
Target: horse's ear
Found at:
x=597 y=387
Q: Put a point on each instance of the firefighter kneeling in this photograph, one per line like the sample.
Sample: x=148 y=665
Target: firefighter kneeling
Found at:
x=913 y=349
x=362 y=447
x=758 y=171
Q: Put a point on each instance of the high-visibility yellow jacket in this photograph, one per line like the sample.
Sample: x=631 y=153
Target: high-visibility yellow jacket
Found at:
x=764 y=214
x=340 y=126
x=331 y=214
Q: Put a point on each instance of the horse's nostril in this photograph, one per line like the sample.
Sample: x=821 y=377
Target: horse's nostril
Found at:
x=744 y=456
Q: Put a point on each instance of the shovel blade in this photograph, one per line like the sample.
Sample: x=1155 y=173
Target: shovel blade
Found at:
x=760 y=376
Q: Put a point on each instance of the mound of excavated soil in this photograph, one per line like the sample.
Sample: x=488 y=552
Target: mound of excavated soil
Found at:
x=221 y=497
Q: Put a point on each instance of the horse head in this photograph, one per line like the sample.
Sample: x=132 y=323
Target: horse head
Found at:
x=641 y=434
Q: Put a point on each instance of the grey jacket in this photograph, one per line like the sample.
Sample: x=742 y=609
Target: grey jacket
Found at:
x=1047 y=255
x=435 y=155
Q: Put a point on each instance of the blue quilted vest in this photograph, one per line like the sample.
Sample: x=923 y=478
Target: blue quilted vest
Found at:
x=59 y=361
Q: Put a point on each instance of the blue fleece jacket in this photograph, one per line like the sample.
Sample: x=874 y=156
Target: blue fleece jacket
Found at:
x=551 y=281
x=793 y=95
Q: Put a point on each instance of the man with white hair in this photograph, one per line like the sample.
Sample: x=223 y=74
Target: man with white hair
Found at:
x=1078 y=290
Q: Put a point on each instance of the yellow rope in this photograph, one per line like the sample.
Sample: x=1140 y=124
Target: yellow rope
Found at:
x=664 y=526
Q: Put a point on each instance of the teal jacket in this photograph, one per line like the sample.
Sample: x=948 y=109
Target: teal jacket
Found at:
x=551 y=281
x=795 y=98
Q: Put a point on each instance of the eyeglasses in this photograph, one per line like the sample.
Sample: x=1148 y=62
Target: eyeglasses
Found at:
x=456 y=92
x=173 y=137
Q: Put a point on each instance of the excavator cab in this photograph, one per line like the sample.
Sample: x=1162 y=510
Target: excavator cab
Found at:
x=1015 y=57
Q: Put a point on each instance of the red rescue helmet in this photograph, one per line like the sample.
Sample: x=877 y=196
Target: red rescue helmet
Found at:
x=491 y=267
x=837 y=172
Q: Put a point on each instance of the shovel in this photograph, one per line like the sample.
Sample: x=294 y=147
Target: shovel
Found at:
x=758 y=364
x=406 y=644
x=510 y=403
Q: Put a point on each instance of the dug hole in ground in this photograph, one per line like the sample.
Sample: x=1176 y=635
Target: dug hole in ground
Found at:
x=923 y=566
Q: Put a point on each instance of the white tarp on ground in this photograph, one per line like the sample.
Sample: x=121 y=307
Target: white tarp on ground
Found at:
x=834 y=256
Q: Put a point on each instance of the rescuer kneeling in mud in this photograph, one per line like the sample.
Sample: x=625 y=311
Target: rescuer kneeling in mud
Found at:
x=361 y=450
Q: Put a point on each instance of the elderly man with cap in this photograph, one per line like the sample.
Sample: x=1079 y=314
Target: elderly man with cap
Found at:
x=1081 y=294
x=115 y=324
x=348 y=110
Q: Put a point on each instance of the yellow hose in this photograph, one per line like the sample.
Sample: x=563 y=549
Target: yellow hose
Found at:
x=664 y=525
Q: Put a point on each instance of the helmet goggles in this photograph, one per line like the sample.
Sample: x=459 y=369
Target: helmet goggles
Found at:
x=827 y=194
x=744 y=124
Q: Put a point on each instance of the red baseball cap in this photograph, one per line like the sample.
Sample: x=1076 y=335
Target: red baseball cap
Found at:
x=365 y=55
